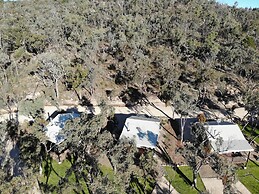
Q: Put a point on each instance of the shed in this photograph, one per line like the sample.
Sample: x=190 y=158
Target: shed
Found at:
x=143 y=130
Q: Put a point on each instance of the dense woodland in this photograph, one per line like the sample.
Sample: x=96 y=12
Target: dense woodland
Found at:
x=192 y=54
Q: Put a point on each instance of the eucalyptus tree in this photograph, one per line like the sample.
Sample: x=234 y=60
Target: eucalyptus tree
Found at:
x=198 y=152
x=122 y=157
x=251 y=102
x=183 y=100
x=149 y=166
x=50 y=69
x=85 y=137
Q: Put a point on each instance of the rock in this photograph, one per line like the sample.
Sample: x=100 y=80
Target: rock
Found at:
x=231 y=105
x=240 y=112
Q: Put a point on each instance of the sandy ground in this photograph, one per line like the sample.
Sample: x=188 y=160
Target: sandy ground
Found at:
x=103 y=159
x=159 y=109
x=21 y=118
x=207 y=172
x=213 y=185
x=117 y=104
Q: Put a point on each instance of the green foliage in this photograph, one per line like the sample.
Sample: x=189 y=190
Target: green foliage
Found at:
x=33 y=108
x=36 y=43
x=251 y=134
x=59 y=168
x=30 y=151
x=249 y=42
x=54 y=174
x=181 y=51
x=13 y=37
x=107 y=172
x=139 y=185
x=77 y=76
x=21 y=53
x=142 y=186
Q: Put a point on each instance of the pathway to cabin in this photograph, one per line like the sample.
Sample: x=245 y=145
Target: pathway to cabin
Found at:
x=164 y=187
x=210 y=180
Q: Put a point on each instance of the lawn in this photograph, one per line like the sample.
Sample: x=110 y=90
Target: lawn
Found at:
x=250 y=176
x=57 y=173
x=107 y=172
x=60 y=169
x=251 y=134
x=139 y=184
x=179 y=183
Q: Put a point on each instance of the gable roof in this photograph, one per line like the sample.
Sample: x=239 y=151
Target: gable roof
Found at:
x=56 y=123
x=143 y=130
x=233 y=139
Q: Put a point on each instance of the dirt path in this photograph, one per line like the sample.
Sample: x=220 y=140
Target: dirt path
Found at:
x=117 y=104
x=213 y=185
x=164 y=187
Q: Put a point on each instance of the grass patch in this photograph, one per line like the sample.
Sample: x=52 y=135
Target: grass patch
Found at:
x=248 y=176
x=251 y=134
x=56 y=173
x=60 y=170
x=107 y=172
x=179 y=183
x=140 y=185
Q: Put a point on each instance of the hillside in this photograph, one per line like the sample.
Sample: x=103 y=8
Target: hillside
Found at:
x=192 y=54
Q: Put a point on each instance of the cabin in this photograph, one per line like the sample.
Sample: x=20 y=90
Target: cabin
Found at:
x=144 y=130
x=225 y=138
x=57 y=122
x=232 y=139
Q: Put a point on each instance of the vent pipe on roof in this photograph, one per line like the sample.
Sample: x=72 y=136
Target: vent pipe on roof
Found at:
x=218 y=121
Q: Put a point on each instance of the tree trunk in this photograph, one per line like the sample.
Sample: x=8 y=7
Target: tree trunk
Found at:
x=195 y=175
x=114 y=168
x=56 y=89
x=173 y=111
x=183 y=121
x=244 y=126
x=77 y=94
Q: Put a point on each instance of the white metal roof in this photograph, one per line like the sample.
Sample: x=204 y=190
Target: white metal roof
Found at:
x=233 y=139
x=57 y=124
x=143 y=130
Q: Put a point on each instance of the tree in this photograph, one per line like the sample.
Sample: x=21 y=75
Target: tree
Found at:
x=148 y=165
x=51 y=69
x=77 y=78
x=182 y=99
x=122 y=157
x=198 y=152
x=32 y=108
x=251 y=101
